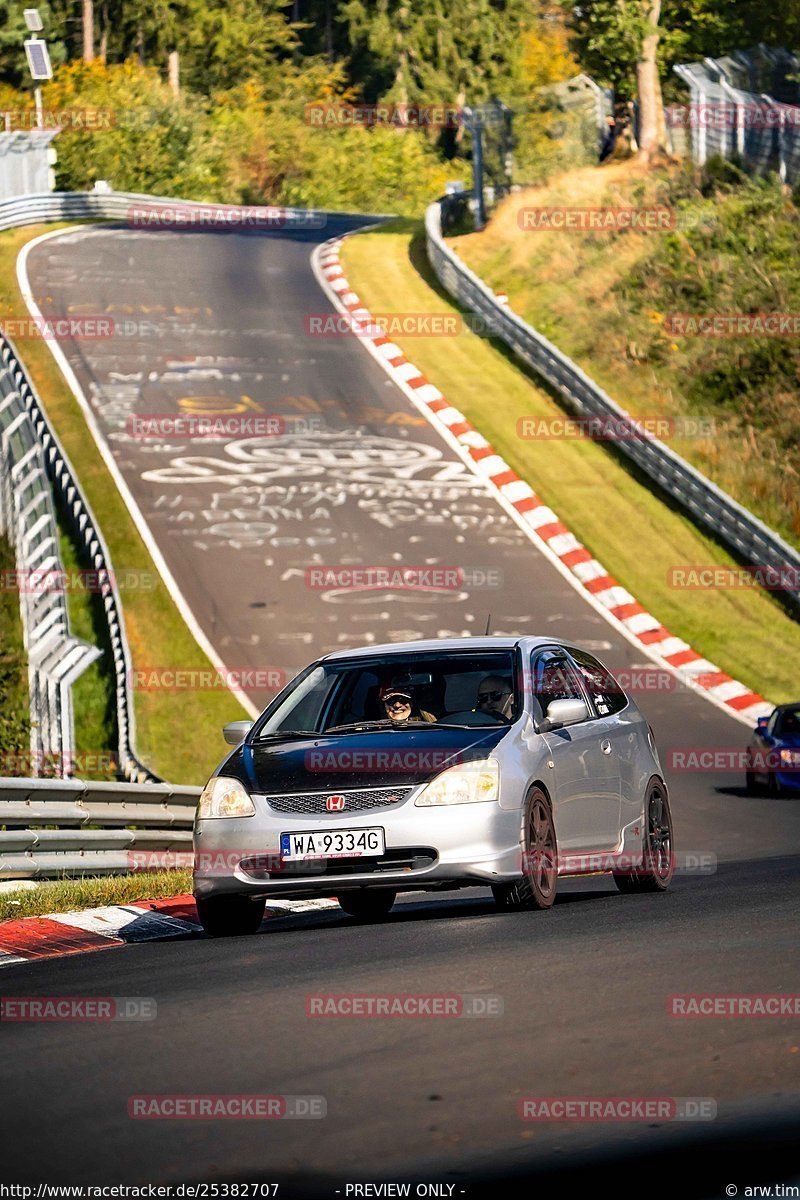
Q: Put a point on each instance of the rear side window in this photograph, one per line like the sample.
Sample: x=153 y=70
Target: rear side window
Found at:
x=554 y=678
x=606 y=693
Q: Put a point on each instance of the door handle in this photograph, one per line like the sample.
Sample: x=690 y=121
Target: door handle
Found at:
x=605 y=746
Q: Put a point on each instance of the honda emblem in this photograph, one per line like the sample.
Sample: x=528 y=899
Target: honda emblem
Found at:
x=335 y=803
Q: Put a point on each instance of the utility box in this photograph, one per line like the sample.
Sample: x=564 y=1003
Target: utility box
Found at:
x=26 y=162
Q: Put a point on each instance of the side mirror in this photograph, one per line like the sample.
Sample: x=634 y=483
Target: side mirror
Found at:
x=762 y=723
x=236 y=731
x=563 y=712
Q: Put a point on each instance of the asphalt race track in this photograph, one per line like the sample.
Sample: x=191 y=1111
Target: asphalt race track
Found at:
x=584 y=987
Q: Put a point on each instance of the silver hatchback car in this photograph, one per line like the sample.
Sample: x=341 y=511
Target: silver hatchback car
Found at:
x=430 y=765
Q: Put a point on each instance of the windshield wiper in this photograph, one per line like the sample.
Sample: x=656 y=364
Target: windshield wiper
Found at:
x=285 y=734
x=384 y=724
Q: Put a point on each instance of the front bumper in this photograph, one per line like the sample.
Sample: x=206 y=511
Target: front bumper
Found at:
x=458 y=844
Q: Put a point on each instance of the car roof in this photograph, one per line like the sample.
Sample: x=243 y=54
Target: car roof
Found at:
x=436 y=645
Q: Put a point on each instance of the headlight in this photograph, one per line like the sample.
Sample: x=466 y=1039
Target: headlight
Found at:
x=223 y=797
x=463 y=785
x=790 y=758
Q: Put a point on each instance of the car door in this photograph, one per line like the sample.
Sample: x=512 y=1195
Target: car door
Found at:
x=763 y=747
x=585 y=782
x=623 y=727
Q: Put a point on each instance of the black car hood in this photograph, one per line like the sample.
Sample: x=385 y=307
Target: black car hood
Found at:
x=333 y=762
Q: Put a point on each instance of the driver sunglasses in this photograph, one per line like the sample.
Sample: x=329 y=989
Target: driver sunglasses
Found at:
x=484 y=696
x=396 y=700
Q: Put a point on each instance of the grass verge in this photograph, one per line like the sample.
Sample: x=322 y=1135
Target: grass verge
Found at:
x=635 y=534
x=178 y=737
x=614 y=302
x=71 y=895
x=14 y=709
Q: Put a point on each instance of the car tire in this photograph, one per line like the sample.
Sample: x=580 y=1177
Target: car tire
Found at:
x=658 y=860
x=368 y=904
x=774 y=789
x=230 y=916
x=537 y=887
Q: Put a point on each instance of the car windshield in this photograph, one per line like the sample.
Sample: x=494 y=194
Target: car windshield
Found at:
x=413 y=691
x=788 y=722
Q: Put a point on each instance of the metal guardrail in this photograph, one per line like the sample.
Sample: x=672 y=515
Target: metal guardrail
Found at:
x=120 y=206
x=743 y=533
x=27 y=519
x=33 y=456
x=101 y=828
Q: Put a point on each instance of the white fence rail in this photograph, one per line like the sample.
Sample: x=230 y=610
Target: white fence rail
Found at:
x=752 y=540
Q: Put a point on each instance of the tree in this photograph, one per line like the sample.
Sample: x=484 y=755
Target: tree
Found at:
x=422 y=51
x=633 y=45
x=617 y=42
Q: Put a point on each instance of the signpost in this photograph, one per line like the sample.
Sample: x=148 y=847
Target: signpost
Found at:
x=38 y=58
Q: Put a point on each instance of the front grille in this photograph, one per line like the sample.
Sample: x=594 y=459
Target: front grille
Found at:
x=355 y=801
x=411 y=858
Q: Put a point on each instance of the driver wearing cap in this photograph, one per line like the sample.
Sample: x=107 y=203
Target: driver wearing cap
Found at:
x=399 y=704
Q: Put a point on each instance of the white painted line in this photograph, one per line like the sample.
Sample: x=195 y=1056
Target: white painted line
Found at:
x=133 y=508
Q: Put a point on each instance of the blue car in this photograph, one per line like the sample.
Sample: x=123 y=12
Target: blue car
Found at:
x=773 y=755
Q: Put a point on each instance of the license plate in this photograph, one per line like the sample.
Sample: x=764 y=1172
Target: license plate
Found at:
x=332 y=843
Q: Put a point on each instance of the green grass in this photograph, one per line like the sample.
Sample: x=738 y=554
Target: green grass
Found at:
x=14 y=701
x=637 y=536
x=70 y=895
x=178 y=735
x=603 y=298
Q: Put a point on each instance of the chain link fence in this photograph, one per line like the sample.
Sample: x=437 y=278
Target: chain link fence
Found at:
x=744 y=106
